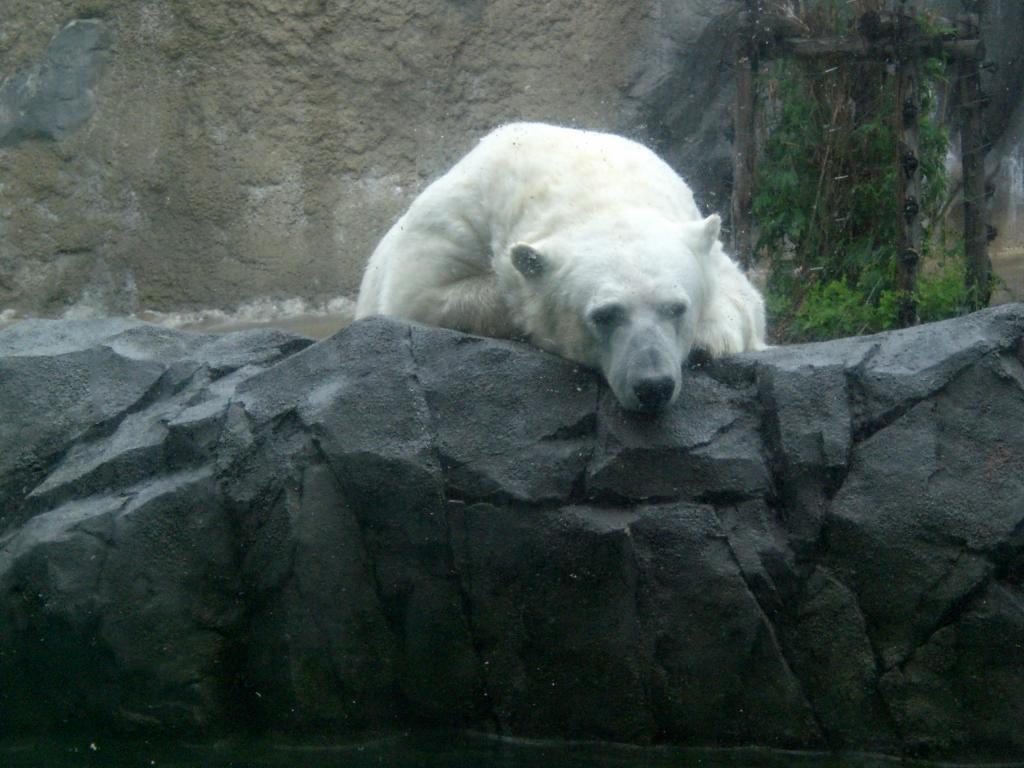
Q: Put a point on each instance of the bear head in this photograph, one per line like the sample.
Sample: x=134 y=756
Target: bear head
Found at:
x=624 y=296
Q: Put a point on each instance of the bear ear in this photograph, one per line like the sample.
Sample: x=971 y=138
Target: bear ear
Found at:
x=527 y=260
x=706 y=232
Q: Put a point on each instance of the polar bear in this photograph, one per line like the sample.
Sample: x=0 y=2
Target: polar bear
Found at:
x=585 y=244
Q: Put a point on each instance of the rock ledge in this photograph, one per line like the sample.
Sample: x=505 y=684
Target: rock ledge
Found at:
x=820 y=546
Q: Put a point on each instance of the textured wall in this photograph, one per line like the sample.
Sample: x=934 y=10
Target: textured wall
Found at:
x=242 y=149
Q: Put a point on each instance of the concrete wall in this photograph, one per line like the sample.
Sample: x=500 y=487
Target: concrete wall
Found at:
x=219 y=151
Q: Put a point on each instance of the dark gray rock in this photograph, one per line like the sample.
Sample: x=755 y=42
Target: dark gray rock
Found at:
x=818 y=546
x=55 y=96
x=1001 y=23
x=540 y=455
x=686 y=96
x=707 y=447
x=118 y=605
x=117 y=555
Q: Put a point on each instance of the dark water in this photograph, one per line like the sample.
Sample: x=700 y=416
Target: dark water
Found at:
x=433 y=751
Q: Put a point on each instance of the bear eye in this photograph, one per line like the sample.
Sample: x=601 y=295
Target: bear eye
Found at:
x=674 y=310
x=608 y=316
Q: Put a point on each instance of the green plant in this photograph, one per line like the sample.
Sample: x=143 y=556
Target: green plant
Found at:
x=825 y=194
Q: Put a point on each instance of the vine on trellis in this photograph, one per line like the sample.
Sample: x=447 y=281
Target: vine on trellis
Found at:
x=851 y=183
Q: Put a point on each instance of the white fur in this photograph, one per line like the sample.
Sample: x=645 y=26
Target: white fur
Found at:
x=614 y=225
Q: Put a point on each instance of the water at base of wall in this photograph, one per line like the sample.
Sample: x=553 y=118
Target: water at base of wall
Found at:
x=317 y=321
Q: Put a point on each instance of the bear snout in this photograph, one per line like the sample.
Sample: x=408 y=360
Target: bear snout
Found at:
x=654 y=392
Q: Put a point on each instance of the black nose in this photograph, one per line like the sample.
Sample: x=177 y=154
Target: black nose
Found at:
x=655 y=392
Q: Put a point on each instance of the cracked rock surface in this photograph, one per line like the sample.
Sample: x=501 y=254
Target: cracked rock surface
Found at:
x=819 y=546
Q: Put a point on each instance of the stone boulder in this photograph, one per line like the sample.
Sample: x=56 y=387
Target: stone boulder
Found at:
x=819 y=546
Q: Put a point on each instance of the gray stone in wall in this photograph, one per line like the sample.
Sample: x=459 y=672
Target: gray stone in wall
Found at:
x=53 y=97
x=400 y=526
x=1001 y=25
x=685 y=96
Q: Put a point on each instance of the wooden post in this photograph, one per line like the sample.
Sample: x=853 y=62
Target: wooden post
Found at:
x=972 y=151
x=860 y=49
x=744 y=148
x=908 y=185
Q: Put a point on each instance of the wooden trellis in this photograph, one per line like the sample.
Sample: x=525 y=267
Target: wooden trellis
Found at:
x=894 y=37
